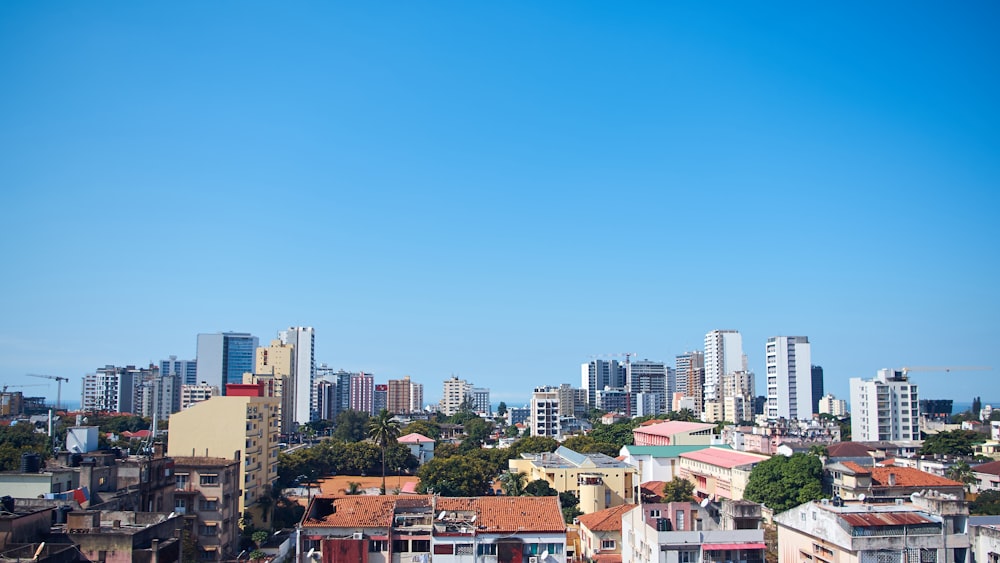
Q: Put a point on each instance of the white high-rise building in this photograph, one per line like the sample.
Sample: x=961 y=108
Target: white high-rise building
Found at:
x=544 y=416
x=456 y=392
x=828 y=404
x=723 y=354
x=600 y=374
x=789 y=378
x=884 y=408
x=303 y=339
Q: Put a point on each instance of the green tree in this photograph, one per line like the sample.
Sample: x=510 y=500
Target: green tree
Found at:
x=678 y=490
x=619 y=434
x=986 y=504
x=954 y=442
x=20 y=439
x=962 y=473
x=686 y=415
x=351 y=426
x=540 y=488
x=533 y=445
x=477 y=432
x=570 y=506
x=513 y=483
x=457 y=476
x=502 y=409
x=588 y=445
x=782 y=482
x=383 y=430
x=424 y=428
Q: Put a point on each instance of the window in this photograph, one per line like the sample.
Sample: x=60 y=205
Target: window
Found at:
x=487 y=549
x=400 y=546
x=210 y=479
x=377 y=546
x=687 y=556
x=607 y=544
x=420 y=546
x=463 y=549
x=210 y=504
x=680 y=520
x=208 y=529
x=654 y=513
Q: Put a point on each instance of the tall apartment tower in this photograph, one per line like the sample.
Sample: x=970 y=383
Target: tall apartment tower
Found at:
x=224 y=357
x=481 y=401
x=416 y=397
x=111 y=389
x=817 y=386
x=723 y=354
x=303 y=339
x=789 y=378
x=186 y=369
x=326 y=399
x=544 y=416
x=649 y=377
x=598 y=374
x=400 y=400
x=362 y=393
x=456 y=392
x=158 y=395
x=690 y=377
x=277 y=362
x=884 y=408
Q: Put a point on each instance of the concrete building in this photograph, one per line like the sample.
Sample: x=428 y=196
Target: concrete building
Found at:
x=613 y=400
x=326 y=400
x=276 y=363
x=656 y=463
x=362 y=393
x=683 y=532
x=380 y=398
x=420 y=446
x=719 y=473
x=243 y=426
x=544 y=413
x=302 y=339
x=789 y=378
x=110 y=389
x=158 y=395
x=405 y=396
x=572 y=401
x=600 y=374
x=884 y=408
x=828 y=404
x=599 y=481
x=690 y=379
x=723 y=354
x=931 y=528
x=849 y=481
x=191 y=394
x=456 y=392
x=601 y=533
x=673 y=433
x=187 y=370
x=390 y=528
x=481 y=401
x=652 y=378
x=123 y=536
x=224 y=357
x=207 y=495
x=817 y=386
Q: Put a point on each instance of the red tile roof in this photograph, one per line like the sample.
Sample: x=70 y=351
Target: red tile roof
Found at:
x=857 y=469
x=848 y=449
x=909 y=477
x=874 y=519
x=993 y=468
x=356 y=511
x=509 y=514
x=607 y=557
x=607 y=520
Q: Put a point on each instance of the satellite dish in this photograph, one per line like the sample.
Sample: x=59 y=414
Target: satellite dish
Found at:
x=705 y=502
x=862 y=497
x=473 y=519
x=914 y=497
x=442 y=515
x=545 y=554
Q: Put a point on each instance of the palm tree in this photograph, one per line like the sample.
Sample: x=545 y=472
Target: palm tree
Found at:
x=962 y=473
x=513 y=483
x=353 y=488
x=383 y=430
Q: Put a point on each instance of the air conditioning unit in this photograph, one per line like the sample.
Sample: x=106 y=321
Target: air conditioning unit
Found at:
x=357 y=536
x=532 y=560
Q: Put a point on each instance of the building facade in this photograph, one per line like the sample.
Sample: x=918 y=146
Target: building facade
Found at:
x=723 y=354
x=884 y=408
x=544 y=418
x=456 y=392
x=789 y=378
x=207 y=496
x=651 y=378
x=224 y=357
x=303 y=342
x=600 y=374
x=186 y=369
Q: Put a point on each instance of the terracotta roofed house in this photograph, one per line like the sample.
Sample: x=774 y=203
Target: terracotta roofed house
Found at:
x=601 y=533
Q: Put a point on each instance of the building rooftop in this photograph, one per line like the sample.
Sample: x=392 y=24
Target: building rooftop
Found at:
x=855 y=468
x=993 y=468
x=665 y=451
x=607 y=520
x=909 y=477
x=565 y=458
x=414 y=438
x=671 y=427
x=202 y=461
x=724 y=458
x=848 y=449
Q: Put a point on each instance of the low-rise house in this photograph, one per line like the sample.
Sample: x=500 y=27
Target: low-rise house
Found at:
x=598 y=480
x=125 y=537
x=420 y=446
x=719 y=473
x=682 y=532
x=674 y=433
x=656 y=463
x=397 y=529
x=601 y=534
x=985 y=543
x=849 y=481
x=987 y=476
x=931 y=529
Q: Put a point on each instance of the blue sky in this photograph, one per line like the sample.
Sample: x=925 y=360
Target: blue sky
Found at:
x=501 y=190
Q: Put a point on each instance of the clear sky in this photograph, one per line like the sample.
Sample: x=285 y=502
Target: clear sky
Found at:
x=500 y=190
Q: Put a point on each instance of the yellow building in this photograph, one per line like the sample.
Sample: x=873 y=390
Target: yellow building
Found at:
x=275 y=367
x=243 y=425
x=598 y=480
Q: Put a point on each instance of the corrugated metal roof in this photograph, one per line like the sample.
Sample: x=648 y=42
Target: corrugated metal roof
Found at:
x=873 y=519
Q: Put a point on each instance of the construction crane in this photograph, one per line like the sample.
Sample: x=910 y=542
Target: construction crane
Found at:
x=5 y=387
x=58 y=381
x=946 y=369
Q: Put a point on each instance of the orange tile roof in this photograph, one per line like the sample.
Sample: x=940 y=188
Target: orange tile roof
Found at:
x=909 y=477
x=608 y=557
x=607 y=520
x=992 y=467
x=509 y=514
x=355 y=511
x=857 y=469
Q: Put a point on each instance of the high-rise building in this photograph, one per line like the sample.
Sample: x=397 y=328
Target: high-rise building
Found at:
x=303 y=340
x=544 y=415
x=326 y=399
x=789 y=378
x=277 y=364
x=614 y=400
x=362 y=393
x=186 y=369
x=572 y=401
x=191 y=394
x=380 y=398
x=243 y=426
x=481 y=401
x=113 y=389
x=828 y=404
x=817 y=386
x=456 y=392
x=398 y=400
x=690 y=378
x=416 y=397
x=884 y=408
x=224 y=357
x=649 y=377
x=158 y=395
x=598 y=374
x=723 y=354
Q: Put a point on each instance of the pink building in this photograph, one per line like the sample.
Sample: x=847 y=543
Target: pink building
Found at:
x=674 y=433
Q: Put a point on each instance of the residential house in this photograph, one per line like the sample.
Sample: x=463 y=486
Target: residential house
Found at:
x=656 y=463
x=601 y=534
x=420 y=446
x=683 y=532
x=849 y=480
x=207 y=493
x=987 y=476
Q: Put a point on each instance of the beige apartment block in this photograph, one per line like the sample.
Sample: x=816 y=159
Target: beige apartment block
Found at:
x=599 y=481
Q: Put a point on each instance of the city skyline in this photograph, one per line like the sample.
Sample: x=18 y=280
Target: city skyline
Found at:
x=436 y=187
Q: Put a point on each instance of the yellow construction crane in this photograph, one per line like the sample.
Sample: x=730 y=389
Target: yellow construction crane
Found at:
x=58 y=381
x=946 y=369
